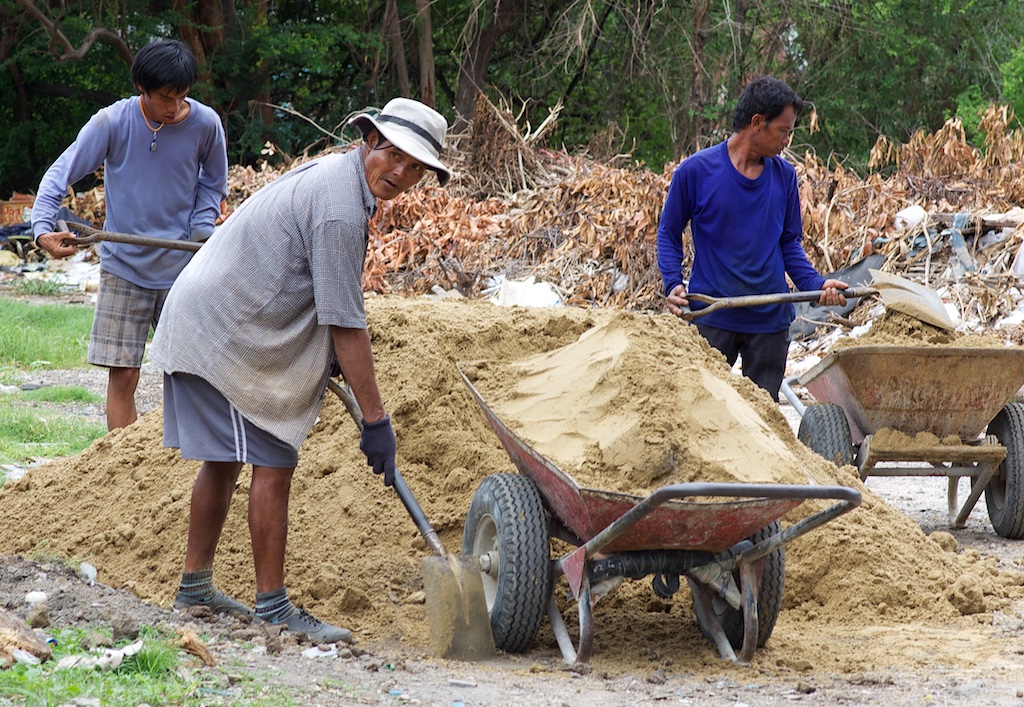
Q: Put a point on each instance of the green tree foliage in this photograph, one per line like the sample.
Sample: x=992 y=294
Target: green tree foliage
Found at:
x=658 y=78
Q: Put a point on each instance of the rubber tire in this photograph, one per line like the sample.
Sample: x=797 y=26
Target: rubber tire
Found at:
x=823 y=428
x=1004 y=494
x=507 y=516
x=769 y=594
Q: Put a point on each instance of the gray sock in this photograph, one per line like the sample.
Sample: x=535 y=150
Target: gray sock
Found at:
x=197 y=585
x=274 y=606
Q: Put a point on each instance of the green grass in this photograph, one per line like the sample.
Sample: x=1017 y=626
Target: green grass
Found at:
x=44 y=335
x=32 y=425
x=44 y=288
x=152 y=675
x=29 y=429
x=159 y=674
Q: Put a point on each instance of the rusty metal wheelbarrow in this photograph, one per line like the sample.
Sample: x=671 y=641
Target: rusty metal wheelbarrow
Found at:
x=730 y=552
x=950 y=392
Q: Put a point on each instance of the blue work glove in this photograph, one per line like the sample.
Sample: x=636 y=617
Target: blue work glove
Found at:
x=379 y=445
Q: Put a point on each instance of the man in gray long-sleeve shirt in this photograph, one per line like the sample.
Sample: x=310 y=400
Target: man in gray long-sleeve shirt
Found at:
x=165 y=174
x=249 y=334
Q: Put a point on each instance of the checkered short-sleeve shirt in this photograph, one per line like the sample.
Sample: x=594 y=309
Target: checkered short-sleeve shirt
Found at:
x=251 y=312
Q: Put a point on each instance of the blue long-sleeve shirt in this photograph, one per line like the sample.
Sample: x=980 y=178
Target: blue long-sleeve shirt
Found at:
x=173 y=192
x=747 y=235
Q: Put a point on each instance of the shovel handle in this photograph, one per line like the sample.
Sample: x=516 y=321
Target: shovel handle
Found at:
x=715 y=303
x=401 y=488
x=91 y=235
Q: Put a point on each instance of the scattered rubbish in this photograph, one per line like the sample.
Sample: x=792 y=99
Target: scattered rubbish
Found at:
x=110 y=659
x=88 y=572
x=329 y=650
x=24 y=657
x=525 y=293
x=909 y=217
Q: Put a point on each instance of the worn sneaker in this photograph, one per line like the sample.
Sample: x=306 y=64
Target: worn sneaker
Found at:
x=219 y=603
x=314 y=628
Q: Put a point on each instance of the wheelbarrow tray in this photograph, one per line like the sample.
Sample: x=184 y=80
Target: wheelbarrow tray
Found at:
x=942 y=390
x=714 y=526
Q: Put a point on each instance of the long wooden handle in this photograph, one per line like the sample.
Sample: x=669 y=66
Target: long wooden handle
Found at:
x=92 y=235
x=715 y=303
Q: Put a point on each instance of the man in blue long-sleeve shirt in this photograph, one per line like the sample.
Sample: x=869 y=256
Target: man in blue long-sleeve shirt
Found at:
x=741 y=201
x=165 y=174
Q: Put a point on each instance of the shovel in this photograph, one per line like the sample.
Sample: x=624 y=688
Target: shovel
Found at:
x=91 y=235
x=460 y=627
x=898 y=293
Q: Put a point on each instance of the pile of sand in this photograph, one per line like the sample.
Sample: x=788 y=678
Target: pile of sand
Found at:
x=898 y=329
x=353 y=554
x=639 y=402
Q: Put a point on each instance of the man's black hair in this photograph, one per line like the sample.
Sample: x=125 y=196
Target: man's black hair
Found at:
x=768 y=96
x=167 y=63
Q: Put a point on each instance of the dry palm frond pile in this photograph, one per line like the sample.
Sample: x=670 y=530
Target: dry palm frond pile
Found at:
x=515 y=209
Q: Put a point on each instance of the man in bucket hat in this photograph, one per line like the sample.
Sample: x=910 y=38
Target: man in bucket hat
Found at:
x=249 y=334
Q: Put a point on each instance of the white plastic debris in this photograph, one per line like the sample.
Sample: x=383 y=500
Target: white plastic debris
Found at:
x=23 y=656
x=323 y=651
x=88 y=571
x=109 y=660
x=909 y=217
x=526 y=293
x=35 y=597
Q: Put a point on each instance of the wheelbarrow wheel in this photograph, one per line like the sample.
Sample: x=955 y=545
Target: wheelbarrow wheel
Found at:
x=506 y=521
x=823 y=428
x=769 y=594
x=1004 y=494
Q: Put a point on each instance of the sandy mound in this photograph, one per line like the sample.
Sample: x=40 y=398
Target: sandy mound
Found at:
x=354 y=554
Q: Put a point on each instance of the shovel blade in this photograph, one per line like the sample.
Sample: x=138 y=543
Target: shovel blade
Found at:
x=460 y=627
x=910 y=298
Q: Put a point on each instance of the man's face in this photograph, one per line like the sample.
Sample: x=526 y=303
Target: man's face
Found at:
x=389 y=171
x=774 y=135
x=165 y=105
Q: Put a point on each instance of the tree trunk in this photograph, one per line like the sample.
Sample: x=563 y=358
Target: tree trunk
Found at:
x=393 y=30
x=699 y=89
x=426 y=52
x=489 y=26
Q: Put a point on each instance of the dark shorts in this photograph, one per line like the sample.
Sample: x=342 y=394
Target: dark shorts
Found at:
x=204 y=425
x=763 y=356
x=120 y=326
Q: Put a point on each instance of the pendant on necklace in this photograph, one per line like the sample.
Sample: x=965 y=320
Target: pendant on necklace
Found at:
x=152 y=145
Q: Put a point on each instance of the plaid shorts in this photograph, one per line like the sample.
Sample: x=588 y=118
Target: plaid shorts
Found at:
x=120 y=327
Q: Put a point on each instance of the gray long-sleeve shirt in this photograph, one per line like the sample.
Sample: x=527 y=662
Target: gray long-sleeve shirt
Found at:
x=173 y=192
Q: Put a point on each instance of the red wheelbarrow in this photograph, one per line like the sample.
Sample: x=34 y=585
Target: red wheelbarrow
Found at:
x=730 y=552
x=961 y=395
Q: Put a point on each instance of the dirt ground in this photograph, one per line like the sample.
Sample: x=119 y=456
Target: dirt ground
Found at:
x=885 y=605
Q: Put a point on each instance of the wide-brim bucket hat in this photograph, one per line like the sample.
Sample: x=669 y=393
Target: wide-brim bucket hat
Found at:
x=414 y=128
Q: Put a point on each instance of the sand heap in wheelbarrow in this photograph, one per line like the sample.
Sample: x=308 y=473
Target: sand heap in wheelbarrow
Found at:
x=640 y=402
x=353 y=553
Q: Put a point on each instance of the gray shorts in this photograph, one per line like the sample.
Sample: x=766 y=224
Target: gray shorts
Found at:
x=204 y=425
x=124 y=315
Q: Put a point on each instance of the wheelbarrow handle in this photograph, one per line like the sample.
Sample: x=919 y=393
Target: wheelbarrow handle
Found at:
x=91 y=235
x=715 y=303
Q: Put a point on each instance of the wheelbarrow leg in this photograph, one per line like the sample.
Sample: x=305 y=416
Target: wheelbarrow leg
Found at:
x=951 y=498
x=570 y=655
x=703 y=606
x=579 y=571
x=702 y=598
x=749 y=584
x=978 y=486
x=562 y=636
